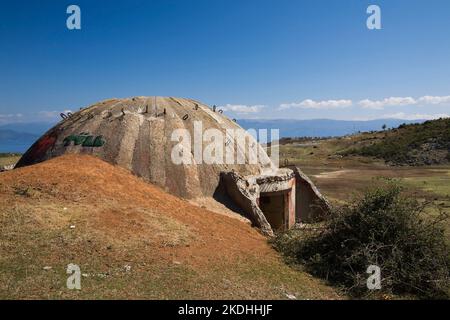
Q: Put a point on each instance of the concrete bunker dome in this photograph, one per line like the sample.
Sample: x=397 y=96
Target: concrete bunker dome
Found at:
x=137 y=134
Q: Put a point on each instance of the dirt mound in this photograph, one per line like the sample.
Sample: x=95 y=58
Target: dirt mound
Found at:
x=130 y=239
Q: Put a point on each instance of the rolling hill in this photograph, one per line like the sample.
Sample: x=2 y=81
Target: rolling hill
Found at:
x=426 y=143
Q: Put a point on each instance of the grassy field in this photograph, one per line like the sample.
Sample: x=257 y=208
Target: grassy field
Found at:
x=9 y=158
x=341 y=178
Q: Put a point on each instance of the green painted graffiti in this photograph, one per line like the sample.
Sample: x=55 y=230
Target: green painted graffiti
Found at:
x=85 y=140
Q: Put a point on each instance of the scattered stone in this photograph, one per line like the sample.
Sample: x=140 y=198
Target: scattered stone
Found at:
x=177 y=262
x=72 y=227
x=127 y=268
x=291 y=296
x=46 y=268
x=6 y=168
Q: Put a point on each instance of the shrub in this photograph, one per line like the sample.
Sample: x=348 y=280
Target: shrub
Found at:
x=381 y=228
x=397 y=146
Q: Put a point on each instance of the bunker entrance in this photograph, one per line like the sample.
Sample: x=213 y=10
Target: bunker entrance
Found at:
x=273 y=205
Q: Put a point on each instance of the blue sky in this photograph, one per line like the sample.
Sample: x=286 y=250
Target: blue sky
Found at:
x=254 y=58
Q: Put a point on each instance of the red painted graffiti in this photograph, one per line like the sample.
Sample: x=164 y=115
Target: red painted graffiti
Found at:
x=38 y=150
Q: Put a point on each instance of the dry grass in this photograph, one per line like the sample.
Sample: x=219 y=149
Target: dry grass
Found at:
x=7 y=159
x=341 y=178
x=174 y=250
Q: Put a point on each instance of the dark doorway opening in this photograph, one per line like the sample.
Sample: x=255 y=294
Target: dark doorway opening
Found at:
x=273 y=207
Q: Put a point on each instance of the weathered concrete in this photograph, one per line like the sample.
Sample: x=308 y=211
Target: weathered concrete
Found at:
x=135 y=133
x=310 y=203
x=280 y=183
x=301 y=203
x=279 y=188
x=245 y=192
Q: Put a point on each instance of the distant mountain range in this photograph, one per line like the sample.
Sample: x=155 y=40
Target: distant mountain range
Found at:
x=18 y=137
x=321 y=127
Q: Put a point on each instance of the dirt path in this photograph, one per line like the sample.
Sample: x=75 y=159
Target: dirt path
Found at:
x=333 y=174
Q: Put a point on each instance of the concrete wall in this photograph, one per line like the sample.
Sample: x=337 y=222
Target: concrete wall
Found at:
x=281 y=182
x=245 y=194
x=310 y=203
x=292 y=204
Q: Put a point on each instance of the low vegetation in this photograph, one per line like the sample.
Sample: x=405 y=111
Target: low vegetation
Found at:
x=8 y=154
x=383 y=228
x=414 y=144
x=7 y=159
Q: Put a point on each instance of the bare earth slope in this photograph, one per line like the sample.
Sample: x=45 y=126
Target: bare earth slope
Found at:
x=130 y=239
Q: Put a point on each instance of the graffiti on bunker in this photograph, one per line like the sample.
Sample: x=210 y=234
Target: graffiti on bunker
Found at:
x=84 y=139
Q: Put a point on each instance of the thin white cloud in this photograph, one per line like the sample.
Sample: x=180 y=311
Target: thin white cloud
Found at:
x=434 y=100
x=10 y=115
x=10 y=118
x=323 y=105
x=388 y=102
x=403 y=101
x=50 y=114
x=414 y=116
x=41 y=116
x=242 y=109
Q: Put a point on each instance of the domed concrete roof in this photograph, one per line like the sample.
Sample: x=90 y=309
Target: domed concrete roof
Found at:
x=136 y=134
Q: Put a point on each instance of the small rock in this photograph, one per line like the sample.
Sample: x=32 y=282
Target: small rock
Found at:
x=127 y=268
x=291 y=296
x=47 y=268
x=177 y=262
x=72 y=227
x=85 y=275
x=6 y=168
x=64 y=208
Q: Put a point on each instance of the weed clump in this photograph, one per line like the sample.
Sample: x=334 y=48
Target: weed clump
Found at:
x=381 y=228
